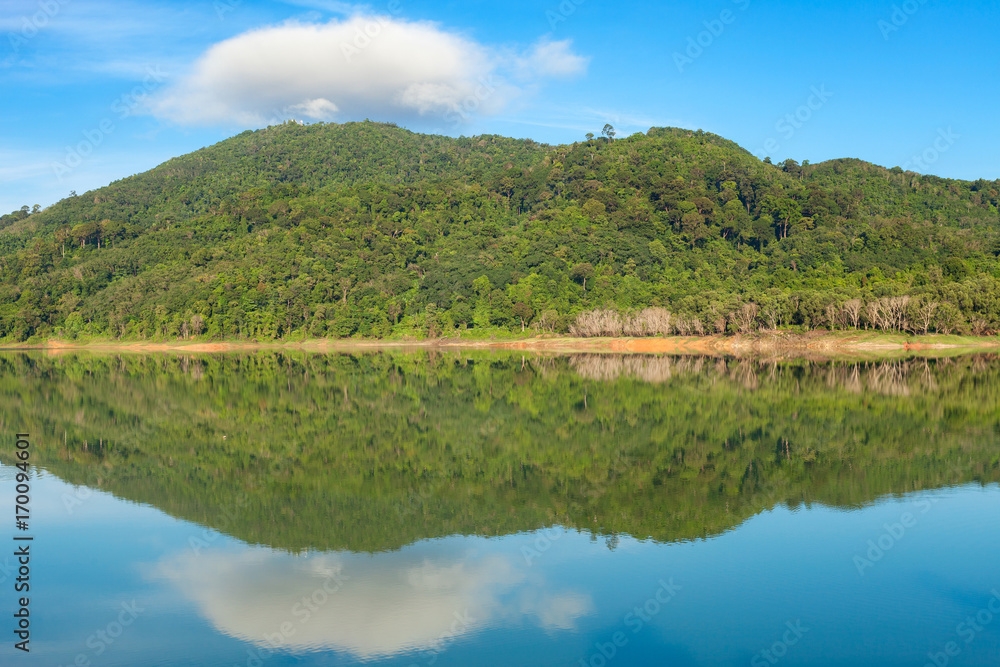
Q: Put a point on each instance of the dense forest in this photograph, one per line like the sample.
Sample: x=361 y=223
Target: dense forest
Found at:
x=372 y=452
x=369 y=230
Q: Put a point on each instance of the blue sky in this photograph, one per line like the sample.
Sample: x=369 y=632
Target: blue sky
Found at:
x=97 y=90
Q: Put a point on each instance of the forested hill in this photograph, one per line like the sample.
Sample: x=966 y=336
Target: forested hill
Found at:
x=367 y=229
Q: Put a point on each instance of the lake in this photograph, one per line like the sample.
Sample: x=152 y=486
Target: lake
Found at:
x=492 y=508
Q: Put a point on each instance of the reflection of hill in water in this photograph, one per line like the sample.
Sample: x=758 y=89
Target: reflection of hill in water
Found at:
x=371 y=452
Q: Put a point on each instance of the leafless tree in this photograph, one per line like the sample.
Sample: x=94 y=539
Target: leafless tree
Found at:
x=888 y=313
x=874 y=314
x=851 y=312
x=832 y=315
x=745 y=319
x=594 y=323
x=771 y=316
x=656 y=321
x=925 y=314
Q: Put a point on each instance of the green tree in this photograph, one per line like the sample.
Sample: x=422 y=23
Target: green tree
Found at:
x=581 y=272
x=484 y=289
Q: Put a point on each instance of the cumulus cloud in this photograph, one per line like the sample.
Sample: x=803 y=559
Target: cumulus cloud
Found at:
x=365 y=66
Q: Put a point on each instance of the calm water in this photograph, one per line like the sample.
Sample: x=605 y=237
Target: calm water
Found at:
x=424 y=509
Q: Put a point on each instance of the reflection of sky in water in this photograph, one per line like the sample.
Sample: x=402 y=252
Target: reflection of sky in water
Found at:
x=462 y=601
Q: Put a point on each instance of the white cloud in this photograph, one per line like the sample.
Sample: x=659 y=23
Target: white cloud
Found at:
x=23 y=165
x=364 y=66
x=555 y=59
x=318 y=109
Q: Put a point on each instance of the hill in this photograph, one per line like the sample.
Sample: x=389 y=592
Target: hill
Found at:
x=367 y=229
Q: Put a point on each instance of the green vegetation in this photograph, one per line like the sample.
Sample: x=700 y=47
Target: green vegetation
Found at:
x=371 y=452
x=366 y=229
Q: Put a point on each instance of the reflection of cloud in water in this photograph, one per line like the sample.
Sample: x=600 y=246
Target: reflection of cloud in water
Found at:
x=379 y=605
x=555 y=612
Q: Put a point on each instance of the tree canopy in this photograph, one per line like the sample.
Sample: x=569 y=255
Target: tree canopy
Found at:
x=367 y=229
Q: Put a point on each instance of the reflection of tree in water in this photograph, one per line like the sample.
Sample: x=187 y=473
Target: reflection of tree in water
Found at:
x=373 y=451
x=897 y=377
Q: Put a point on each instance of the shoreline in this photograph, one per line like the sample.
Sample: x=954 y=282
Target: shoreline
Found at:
x=768 y=344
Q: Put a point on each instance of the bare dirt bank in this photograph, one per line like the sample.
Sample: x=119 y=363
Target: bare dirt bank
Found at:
x=778 y=344
x=769 y=344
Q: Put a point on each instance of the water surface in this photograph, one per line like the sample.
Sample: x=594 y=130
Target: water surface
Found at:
x=425 y=509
